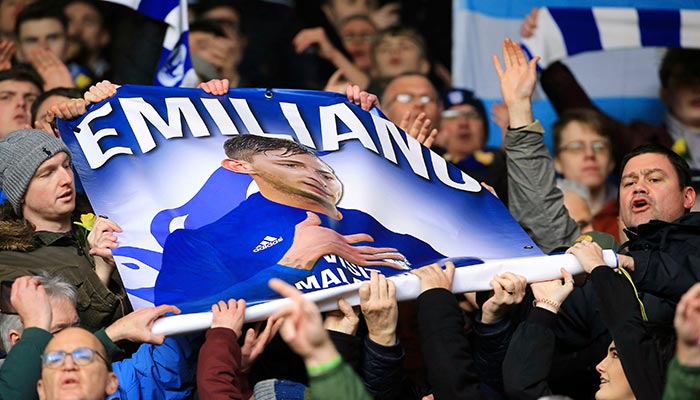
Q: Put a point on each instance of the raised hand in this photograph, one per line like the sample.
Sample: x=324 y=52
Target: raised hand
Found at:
x=517 y=82
x=508 y=291
x=344 y=319
x=589 y=255
x=229 y=315
x=687 y=324
x=312 y=241
x=256 y=340
x=363 y=99
x=7 y=50
x=51 y=69
x=551 y=294
x=499 y=115
x=433 y=276
x=527 y=29
x=418 y=127
x=100 y=91
x=102 y=240
x=302 y=328
x=136 y=326
x=69 y=109
x=315 y=37
x=217 y=87
x=378 y=305
x=29 y=299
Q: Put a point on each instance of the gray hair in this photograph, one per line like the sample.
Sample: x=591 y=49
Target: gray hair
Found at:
x=57 y=287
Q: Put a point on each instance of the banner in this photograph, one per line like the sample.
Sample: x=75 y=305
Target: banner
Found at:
x=174 y=66
x=200 y=225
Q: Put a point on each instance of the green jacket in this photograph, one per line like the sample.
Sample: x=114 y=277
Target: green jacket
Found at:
x=60 y=254
x=682 y=382
x=22 y=367
x=340 y=383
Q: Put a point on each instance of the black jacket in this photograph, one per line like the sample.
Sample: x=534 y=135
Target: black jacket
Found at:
x=530 y=355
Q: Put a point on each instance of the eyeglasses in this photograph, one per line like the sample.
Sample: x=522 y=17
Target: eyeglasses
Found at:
x=578 y=147
x=468 y=114
x=81 y=356
x=365 y=37
x=407 y=98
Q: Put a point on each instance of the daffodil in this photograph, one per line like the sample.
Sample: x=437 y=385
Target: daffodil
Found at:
x=680 y=147
x=87 y=221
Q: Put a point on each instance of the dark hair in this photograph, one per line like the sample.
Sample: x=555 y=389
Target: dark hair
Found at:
x=71 y=93
x=353 y=17
x=664 y=336
x=208 y=26
x=679 y=164
x=22 y=73
x=204 y=6
x=41 y=10
x=408 y=32
x=244 y=147
x=592 y=118
x=687 y=59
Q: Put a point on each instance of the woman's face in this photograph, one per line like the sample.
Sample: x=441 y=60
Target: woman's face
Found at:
x=358 y=36
x=584 y=155
x=613 y=381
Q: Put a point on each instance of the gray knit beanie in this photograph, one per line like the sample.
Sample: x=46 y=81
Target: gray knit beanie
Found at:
x=21 y=154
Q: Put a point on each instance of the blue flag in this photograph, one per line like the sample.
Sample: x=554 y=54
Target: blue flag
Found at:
x=174 y=65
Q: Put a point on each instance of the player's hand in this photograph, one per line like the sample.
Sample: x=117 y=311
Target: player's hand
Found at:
x=312 y=241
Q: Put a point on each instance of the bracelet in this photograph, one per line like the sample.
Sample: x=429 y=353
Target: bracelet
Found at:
x=316 y=370
x=546 y=301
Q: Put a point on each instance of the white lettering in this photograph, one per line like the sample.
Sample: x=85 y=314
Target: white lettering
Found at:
x=291 y=112
x=89 y=141
x=328 y=278
x=220 y=117
x=411 y=149
x=353 y=268
x=310 y=283
x=329 y=127
x=137 y=112
x=251 y=124
x=342 y=275
x=440 y=167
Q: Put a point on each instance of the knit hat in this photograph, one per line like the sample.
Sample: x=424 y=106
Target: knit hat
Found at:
x=457 y=97
x=278 y=389
x=21 y=154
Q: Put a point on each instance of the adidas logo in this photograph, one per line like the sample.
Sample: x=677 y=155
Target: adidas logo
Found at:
x=266 y=243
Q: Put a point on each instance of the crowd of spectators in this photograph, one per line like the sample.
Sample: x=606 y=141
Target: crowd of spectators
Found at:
x=68 y=330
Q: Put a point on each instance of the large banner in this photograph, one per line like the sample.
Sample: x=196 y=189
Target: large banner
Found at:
x=203 y=223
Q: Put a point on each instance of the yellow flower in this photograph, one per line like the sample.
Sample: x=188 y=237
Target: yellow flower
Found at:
x=484 y=157
x=680 y=147
x=87 y=221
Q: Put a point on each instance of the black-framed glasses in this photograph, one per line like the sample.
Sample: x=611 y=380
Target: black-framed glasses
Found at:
x=579 y=147
x=407 y=98
x=81 y=356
